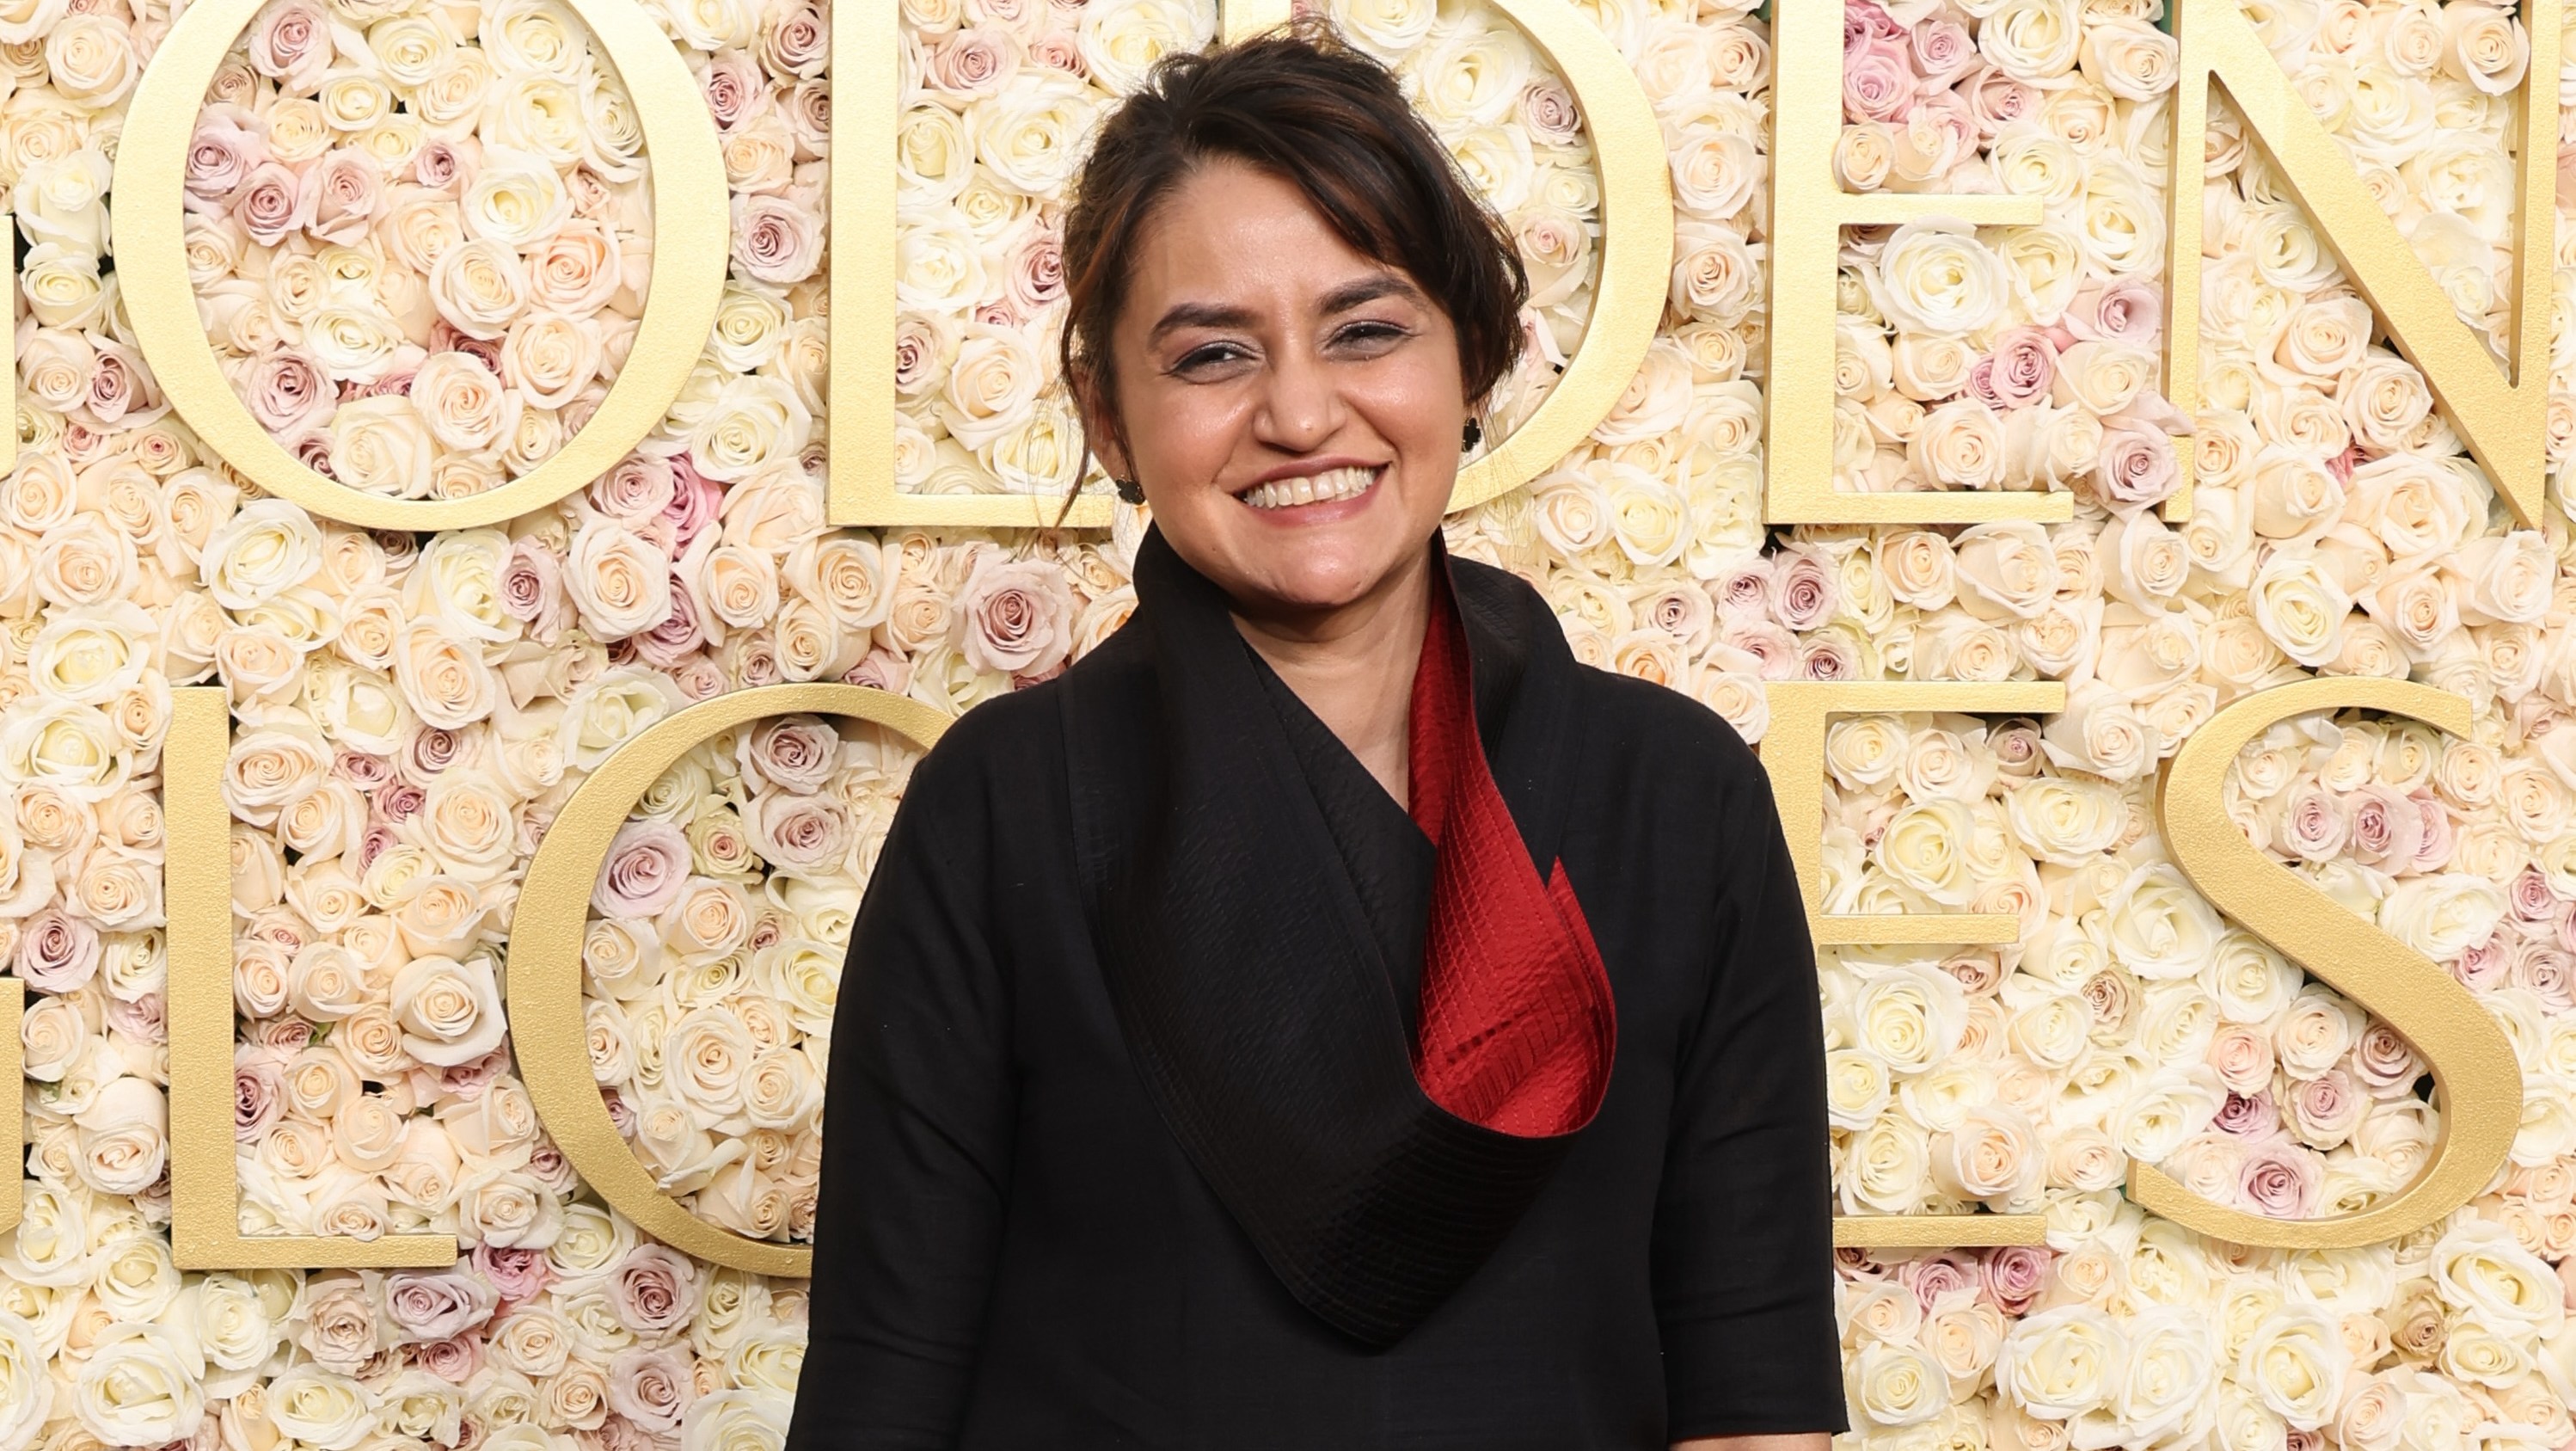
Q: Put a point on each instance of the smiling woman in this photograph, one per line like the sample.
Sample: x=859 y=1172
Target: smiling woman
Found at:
x=1327 y=1015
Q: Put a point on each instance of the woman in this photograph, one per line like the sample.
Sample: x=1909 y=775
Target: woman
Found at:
x=1327 y=1016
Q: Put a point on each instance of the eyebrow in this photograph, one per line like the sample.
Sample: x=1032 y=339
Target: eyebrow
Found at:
x=1341 y=299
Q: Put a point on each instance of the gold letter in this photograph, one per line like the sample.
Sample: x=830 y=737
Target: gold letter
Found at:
x=2501 y=422
x=546 y=1019
x=1636 y=251
x=13 y=1118
x=1809 y=209
x=689 y=241
x=1793 y=754
x=2472 y=1061
x=205 y=1184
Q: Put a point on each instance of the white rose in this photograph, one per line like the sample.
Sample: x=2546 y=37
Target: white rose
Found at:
x=2062 y=1363
x=1910 y=1015
x=2444 y=915
x=1933 y=276
x=2296 y=1362
x=139 y=1386
x=450 y=1010
x=330 y=1411
x=1895 y=1385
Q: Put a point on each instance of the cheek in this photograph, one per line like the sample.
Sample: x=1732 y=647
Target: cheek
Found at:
x=1182 y=435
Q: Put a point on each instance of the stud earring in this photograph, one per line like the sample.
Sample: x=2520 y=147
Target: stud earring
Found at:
x=1474 y=435
x=1130 y=490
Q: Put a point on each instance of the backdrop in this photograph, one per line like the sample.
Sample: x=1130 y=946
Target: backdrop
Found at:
x=460 y=663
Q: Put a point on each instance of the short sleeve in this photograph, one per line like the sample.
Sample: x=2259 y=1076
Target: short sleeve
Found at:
x=917 y=1121
x=1743 y=1244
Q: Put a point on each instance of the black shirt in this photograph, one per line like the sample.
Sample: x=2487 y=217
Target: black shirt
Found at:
x=1014 y=1251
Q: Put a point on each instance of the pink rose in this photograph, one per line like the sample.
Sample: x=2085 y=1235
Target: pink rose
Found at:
x=1943 y=51
x=2015 y=1276
x=1830 y=658
x=118 y=384
x=1743 y=587
x=453 y=1361
x=1014 y=616
x=57 y=953
x=681 y=631
x=2247 y=1116
x=800 y=834
x=2324 y=1110
x=778 y=238
x=228 y=143
x=2386 y=827
x=2019 y=369
x=532 y=589
x=517 y=1273
x=2384 y=1063
x=654 y=1291
x=442 y=164
x=1548 y=110
x=799 y=42
x=653 y=1388
x=2281 y=1179
x=286 y=393
x=259 y=1091
x=2530 y=898
x=426 y=1305
x=1057 y=50
x=2434 y=852
x=398 y=802
x=1941 y=1281
x=1804 y=588
x=1864 y=20
x=1879 y=83
x=734 y=88
x=271 y=202
x=882 y=669
x=973 y=62
x=343 y=193
x=1034 y=272
x=637 y=488
x=2483 y=966
x=648 y=866
x=291 y=44
x=793 y=753
x=2547 y=969
x=1774 y=649
x=2128 y=311
x=430 y=750
x=695 y=500
x=2136 y=466
x=1996 y=100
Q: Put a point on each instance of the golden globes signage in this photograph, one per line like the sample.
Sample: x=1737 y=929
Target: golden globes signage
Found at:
x=1938 y=290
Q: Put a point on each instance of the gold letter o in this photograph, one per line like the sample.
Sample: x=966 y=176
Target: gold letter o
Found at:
x=689 y=244
x=547 y=1027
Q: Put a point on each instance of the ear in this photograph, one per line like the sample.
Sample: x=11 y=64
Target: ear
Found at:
x=1100 y=430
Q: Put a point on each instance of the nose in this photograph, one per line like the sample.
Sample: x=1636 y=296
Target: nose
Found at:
x=1300 y=408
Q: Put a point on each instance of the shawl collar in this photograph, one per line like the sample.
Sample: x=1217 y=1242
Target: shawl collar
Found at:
x=1251 y=984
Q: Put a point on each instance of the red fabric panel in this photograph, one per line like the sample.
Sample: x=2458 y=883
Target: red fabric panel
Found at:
x=1518 y=1029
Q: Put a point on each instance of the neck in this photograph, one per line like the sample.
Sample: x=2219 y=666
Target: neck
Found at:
x=1353 y=665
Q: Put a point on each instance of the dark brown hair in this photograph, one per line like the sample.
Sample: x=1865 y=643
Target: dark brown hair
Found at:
x=1299 y=104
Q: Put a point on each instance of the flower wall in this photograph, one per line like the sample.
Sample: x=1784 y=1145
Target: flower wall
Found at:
x=420 y=238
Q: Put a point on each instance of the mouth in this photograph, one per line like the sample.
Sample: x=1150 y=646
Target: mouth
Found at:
x=1330 y=486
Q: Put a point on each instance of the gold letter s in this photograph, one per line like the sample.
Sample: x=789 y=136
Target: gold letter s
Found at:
x=2472 y=1061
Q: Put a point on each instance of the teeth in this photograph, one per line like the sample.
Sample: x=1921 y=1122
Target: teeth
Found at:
x=1320 y=488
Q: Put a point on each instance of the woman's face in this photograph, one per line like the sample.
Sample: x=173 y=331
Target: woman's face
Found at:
x=1292 y=408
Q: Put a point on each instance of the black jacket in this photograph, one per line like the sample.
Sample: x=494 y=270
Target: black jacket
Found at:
x=1015 y=1248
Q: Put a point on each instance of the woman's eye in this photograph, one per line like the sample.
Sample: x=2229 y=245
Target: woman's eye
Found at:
x=1208 y=356
x=1370 y=337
